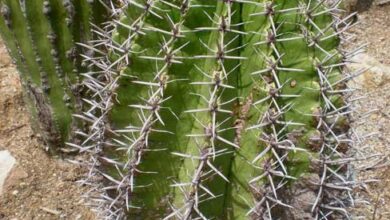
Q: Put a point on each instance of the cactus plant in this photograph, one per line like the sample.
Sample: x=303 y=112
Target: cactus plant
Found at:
x=42 y=38
x=210 y=109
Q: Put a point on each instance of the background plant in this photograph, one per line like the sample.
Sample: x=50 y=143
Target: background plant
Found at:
x=42 y=38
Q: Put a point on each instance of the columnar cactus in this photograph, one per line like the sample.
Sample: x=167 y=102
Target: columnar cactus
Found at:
x=41 y=37
x=211 y=109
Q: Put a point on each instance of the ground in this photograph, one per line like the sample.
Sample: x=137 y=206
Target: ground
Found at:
x=373 y=29
x=44 y=187
x=41 y=187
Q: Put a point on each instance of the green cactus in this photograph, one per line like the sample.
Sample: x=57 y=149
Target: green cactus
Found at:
x=41 y=37
x=204 y=109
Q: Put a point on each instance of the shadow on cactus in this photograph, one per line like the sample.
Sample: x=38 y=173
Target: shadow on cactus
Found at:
x=195 y=109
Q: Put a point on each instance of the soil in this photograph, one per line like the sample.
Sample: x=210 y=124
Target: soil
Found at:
x=44 y=187
x=40 y=187
x=374 y=85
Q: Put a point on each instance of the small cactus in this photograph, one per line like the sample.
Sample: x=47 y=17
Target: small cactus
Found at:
x=199 y=109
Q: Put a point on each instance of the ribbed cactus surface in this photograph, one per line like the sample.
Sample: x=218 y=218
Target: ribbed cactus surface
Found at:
x=42 y=37
x=203 y=109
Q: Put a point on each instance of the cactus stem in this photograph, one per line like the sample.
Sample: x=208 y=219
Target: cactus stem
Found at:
x=196 y=109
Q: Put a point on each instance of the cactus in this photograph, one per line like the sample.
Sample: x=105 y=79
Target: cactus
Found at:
x=42 y=38
x=202 y=109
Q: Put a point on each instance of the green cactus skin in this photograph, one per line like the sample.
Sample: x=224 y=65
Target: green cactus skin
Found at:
x=197 y=109
x=41 y=36
x=219 y=110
